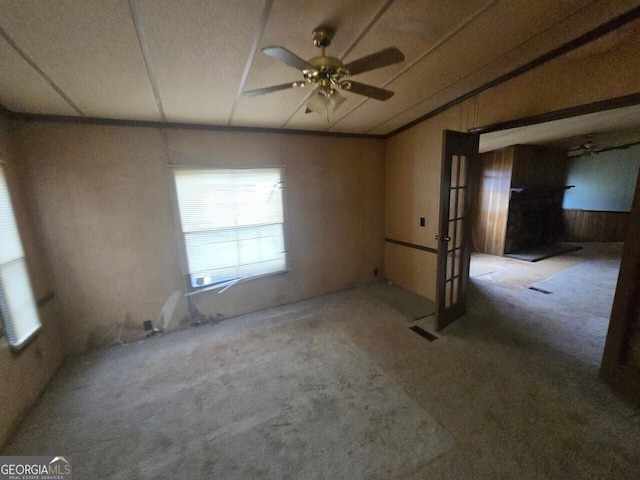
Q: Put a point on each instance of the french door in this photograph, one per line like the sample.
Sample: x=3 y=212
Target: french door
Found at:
x=459 y=154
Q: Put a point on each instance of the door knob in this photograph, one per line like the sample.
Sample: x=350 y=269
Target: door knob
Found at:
x=446 y=239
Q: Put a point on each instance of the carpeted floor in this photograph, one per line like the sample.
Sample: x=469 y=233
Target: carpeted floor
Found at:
x=339 y=387
x=579 y=285
x=543 y=252
x=413 y=307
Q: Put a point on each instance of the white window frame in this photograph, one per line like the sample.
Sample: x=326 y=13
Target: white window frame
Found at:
x=16 y=297
x=224 y=283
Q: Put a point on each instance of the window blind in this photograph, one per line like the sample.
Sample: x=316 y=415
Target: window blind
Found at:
x=17 y=304
x=232 y=222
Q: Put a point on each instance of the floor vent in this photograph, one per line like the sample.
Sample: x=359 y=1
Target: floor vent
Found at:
x=423 y=333
x=536 y=289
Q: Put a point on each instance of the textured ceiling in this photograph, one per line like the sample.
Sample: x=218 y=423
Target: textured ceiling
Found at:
x=188 y=61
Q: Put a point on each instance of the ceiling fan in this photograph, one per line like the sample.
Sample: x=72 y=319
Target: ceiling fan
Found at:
x=328 y=73
x=592 y=148
x=588 y=147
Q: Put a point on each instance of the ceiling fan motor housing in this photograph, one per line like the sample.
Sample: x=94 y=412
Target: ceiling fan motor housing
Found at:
x=322 y=37
x=328 y=71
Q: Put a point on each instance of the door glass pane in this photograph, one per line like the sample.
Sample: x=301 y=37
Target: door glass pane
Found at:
x=456 y=262
x=459 y=232
x=447 y=294
x=454 y=170
x=452 y=203
x=452 y=270
x=449 y=270
x=461 y=200
x=452 y=235
x=455 y=292
x=462 y=182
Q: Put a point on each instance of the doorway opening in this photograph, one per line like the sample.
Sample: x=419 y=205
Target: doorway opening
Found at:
x=552 y=203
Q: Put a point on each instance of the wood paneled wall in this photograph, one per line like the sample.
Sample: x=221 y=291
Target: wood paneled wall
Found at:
x=519 y=166
x=595 y=226
x=492 y=203
x=537 y=167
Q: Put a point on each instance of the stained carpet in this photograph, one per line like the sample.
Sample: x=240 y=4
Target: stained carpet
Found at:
x=292 y=397
x=541 y=253
x=410 y=305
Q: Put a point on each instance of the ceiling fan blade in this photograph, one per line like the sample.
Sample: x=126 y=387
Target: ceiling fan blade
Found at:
x=380 y=59
x=576 y=152
x=368 y=90
x=288 y=57
x=618 y=147
x=275 y=88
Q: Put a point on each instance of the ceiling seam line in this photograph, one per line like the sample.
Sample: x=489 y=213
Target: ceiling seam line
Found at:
x=381 y=11
x=41 y=72
x=367 y=27
x=266 y=11
x=484 y=65
x=567 y=47
x=146 y=55
x=480 y=68
x=441 y=42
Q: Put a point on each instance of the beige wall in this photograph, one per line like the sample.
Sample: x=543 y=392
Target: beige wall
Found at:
x=413 y=189
x=23 y=377
x=604 y=69
x=103 y=197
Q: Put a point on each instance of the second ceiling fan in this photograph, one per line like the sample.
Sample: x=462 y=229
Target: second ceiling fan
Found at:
x=328 y=74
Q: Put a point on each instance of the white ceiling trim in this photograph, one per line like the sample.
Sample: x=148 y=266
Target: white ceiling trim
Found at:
x=441 y=42
x=353 y=45
x=252 y=54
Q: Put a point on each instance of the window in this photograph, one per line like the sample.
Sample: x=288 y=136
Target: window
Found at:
x=17 y=306
x=232 y=222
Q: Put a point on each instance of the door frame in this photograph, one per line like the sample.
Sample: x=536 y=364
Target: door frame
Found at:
x=625 y=315
x=614 y=367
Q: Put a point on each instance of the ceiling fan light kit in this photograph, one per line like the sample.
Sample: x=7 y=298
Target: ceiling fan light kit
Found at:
x=320 y=100
x=327 y=74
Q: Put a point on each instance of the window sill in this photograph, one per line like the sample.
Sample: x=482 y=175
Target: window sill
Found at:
x=244 y=280
x=18 y=350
